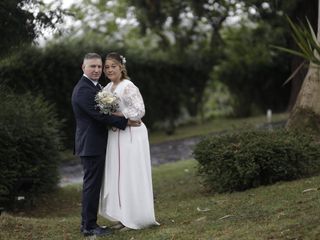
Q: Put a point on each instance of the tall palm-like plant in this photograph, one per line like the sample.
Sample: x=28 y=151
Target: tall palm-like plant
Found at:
x=305 y=114
x=307 y=41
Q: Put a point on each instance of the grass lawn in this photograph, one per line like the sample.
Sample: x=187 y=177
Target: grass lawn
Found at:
x=185 y=211
x=212 y=126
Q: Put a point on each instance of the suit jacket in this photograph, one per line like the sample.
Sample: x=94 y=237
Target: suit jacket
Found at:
x=91 y=125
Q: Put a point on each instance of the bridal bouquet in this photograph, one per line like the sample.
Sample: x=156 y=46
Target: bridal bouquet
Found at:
x=107 y=102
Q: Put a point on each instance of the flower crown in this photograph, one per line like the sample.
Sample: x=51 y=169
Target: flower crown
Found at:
x=123 y=59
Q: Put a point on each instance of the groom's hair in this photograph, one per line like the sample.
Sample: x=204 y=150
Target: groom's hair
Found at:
x=91 y=56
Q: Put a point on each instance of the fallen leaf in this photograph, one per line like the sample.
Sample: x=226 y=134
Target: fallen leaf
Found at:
x=203 y=210
x=201 y=219
x=310 y=190
x=226 y=216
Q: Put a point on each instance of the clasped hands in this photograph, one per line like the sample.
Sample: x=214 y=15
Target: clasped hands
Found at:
x=132 y=123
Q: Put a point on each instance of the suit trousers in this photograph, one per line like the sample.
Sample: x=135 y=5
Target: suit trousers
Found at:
x=93 y=169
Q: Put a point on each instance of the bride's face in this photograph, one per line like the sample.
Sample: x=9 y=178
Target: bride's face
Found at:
x=112 y=69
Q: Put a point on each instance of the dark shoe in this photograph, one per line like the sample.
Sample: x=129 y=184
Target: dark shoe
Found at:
x=81 y=227
x=98 y=231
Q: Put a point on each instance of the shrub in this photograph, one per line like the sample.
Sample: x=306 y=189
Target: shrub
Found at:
x=55 y=70
x=243 y=160
x=29 y=141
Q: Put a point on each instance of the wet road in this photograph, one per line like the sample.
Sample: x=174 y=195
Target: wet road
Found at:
x=170 y=151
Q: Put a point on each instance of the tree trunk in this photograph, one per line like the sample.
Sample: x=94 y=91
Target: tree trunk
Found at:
x=296 y=81
x=305 y=115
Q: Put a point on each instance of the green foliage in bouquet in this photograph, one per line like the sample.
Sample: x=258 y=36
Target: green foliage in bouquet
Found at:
x=29 y=142
x=243 y=160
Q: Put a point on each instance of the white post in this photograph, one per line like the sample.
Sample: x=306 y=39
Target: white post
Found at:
x=269 y=114
x=269 y=119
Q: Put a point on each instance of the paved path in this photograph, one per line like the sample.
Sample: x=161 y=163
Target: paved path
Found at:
x=170 y=151
x=160 y=153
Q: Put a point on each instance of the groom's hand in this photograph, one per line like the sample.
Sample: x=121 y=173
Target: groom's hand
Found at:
x=133 y=123
x=119 y=114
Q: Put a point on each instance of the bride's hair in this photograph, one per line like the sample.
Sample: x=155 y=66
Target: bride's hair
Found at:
x=119 y=58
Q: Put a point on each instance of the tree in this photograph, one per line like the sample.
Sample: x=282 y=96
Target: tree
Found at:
x=101 y=21
x=185 y=25
x=252 y=73
x=272 y=11
x=305 y=114
x=21 y=21
x=164 y=17
x=187 y=31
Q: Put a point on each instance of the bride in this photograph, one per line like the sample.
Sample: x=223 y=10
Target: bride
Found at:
x=126 y=193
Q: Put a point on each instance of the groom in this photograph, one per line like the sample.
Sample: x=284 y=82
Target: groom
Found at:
x=91 y=141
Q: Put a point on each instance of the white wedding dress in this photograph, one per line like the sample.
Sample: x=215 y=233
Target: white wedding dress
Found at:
x=126 y=193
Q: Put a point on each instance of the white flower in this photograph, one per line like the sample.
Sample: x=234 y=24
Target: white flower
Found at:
x=107 y=102
x=123 y=59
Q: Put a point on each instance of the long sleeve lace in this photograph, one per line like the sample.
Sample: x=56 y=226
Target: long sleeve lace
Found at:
x=133 y=103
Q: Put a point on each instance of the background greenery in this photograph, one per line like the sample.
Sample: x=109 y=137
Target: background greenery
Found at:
x=191 y=60
x=55 y=70
x=179 y=54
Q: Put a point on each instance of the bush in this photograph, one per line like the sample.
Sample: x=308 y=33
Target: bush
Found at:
x=29 y=141
x=243 y=160
x=55 y=70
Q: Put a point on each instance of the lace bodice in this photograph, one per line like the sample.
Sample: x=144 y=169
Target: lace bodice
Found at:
x=131 y=101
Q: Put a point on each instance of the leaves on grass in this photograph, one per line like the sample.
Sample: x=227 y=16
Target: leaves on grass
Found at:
x=310 y=190
x=226 y=216
x=201 y=219
x=203 y=210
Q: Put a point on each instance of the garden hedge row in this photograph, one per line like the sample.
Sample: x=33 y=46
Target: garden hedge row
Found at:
x=29 y=147
x=243 y=160
x=166 y=87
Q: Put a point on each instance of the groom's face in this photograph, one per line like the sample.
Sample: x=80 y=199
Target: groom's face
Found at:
x=92 y=68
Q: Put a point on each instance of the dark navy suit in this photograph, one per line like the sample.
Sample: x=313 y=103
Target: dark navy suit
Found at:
x=90 y=145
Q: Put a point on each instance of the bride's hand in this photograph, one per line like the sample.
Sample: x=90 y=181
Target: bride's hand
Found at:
x=119 y=114
x=134 y=123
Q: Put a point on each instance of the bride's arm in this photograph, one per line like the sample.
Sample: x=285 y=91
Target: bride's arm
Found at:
x=119 y=114
x=133 y=103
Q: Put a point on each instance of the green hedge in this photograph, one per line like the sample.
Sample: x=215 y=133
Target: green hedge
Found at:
x=29 y=142
x=243 y=160
x=166 y=87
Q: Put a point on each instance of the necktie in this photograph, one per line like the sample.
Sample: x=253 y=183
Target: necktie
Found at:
x=98 y=86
